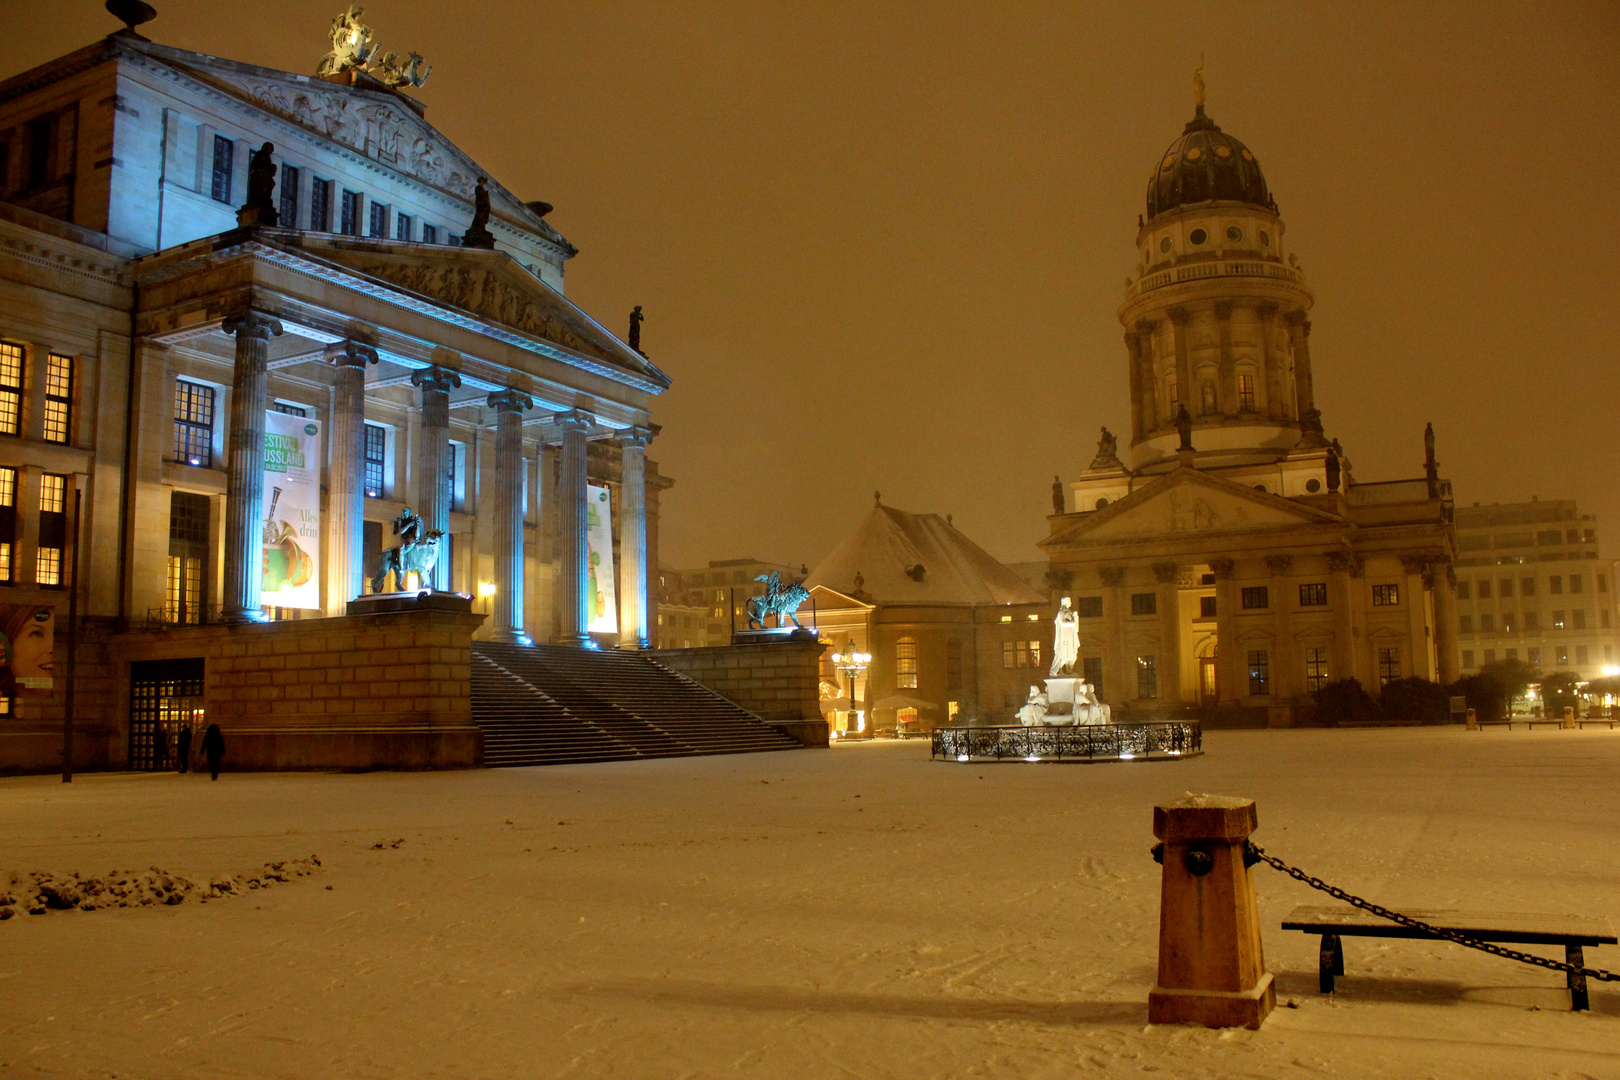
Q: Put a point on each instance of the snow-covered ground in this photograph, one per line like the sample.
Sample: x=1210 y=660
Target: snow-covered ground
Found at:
x=854 y=912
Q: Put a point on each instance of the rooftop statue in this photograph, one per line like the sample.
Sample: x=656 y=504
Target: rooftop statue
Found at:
x=636 y=318
x=1184 y=426
x=355 y=48
x=781 y=600
x=1107 y=451
x=260 y=208
x=478 y=234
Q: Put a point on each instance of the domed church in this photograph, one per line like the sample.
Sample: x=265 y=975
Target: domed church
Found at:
x=1228 y=558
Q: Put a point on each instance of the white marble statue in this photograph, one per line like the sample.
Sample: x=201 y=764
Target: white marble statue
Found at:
x=1088 y=710
x=1065 y=639
x=1033 y=714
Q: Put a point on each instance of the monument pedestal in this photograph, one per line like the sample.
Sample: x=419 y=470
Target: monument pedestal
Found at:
x=416 y=600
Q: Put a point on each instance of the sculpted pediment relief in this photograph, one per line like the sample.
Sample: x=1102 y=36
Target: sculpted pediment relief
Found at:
x=488 y=293
x=1178 y=504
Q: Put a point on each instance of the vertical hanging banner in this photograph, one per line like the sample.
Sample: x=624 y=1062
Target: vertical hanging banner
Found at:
x=599 y=579
x=27 y=653
x=292 y=512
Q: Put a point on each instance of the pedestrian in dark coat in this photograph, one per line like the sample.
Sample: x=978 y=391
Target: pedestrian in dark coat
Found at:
x=160 y=748
x=183 y=745
x=213 y=748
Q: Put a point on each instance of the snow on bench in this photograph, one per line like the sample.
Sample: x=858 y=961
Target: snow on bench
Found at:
x=1571 y=931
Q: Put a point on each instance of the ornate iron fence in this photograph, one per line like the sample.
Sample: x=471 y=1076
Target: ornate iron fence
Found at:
x=1104 y=742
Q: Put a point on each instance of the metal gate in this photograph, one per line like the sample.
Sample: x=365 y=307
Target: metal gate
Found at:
x=163 y=695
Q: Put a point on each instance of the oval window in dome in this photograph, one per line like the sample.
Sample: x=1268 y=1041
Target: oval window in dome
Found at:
x=1194 y=154
x=1233 y=233
x=1265 y=238
x=1169 y=161
x=1198 y=236
x=1164 y=245
x=1223 y=151
x=1246 y=155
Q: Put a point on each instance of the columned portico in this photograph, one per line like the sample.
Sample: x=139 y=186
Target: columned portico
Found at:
x=433 y=483
x=509 y=406
x=1445 y=620
x=346 y=481
x=632 y=443
x=1228 y=662
x=244 y=506
x=573 y=547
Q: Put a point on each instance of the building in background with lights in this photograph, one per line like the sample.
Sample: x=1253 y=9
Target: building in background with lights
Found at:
x=952 y=633
x=704 y=607
x=1230 y=558
x=1532 y=585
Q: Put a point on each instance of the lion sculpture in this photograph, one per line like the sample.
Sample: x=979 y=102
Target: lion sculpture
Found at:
x=780 y=600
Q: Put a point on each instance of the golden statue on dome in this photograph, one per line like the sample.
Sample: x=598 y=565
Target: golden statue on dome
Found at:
x=1198 y=85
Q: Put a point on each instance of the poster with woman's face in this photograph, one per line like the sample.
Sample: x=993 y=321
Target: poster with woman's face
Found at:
x=28 y=641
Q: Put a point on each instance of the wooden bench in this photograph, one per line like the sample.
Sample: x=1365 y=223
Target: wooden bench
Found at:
x=1573 y=932
x=1606 y=721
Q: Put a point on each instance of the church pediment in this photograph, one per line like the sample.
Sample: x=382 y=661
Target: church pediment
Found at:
x=494 y=288
x=1187 y=501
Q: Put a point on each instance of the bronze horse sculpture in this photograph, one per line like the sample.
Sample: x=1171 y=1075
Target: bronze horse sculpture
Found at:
x=418 y=552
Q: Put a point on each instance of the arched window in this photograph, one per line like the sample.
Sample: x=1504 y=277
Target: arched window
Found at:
x=905 y=664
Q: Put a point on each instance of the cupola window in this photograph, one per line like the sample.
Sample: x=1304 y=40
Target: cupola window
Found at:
x=1233 y=233
x=1265 y=238
x=1223 y=152
x=1198 y=236
x=1194 y=154
x=1164 y=245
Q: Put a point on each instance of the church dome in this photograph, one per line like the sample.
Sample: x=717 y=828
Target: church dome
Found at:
x=1204 y=165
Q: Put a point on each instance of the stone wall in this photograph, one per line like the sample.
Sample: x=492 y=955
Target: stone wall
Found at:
x=779 y=682
x=386 y=691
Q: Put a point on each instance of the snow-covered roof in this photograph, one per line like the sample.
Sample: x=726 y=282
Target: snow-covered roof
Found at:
x=887 y=548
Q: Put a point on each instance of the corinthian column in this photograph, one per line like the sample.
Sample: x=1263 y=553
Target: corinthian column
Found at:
x=573 y=549
x=433 y=485
x=509 y=406
x=244 y=504
x=632 y=443
x=346 y=480
x=1444 y=583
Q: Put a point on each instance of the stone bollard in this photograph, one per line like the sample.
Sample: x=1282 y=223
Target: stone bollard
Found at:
x=1473 y=720
x=1569 y=718
x=1211 y=970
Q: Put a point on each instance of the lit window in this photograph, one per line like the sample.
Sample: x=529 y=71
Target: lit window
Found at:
x=376 y=459
x=8 y=520
x=1256 y=596
x=1389 y=666
x=1035 y=654
x=1558 y=620
x=58 y=398
x=193 y=423
x=905 y=663
x=11 y=384
x=52 y=530
x=1009 y=655
x=1316 y=667
x=188 y=550
x=1246 y=393
x=1259 y=672
x=1390 y=595
x=1147 y=676
x=1313 y=594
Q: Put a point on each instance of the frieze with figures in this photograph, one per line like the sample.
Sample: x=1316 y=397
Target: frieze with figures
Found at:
x=484 y=293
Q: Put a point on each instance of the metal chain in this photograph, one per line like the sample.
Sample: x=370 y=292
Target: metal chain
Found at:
x=1254 y=852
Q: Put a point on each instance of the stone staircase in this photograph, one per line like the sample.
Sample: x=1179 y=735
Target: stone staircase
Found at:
x=550 y=705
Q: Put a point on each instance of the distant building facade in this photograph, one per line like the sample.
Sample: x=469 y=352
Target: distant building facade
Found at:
x=953 y=634
x=1532 y=585
x=1229 y=557
x=708 y=604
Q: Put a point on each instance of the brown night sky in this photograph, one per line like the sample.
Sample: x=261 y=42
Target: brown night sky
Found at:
x=881 y=246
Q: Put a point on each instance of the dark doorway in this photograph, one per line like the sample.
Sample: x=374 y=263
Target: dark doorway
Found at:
x=163 y=695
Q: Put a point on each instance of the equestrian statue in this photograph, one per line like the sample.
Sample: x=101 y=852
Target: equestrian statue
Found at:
x=780 y=600
x=417 y=552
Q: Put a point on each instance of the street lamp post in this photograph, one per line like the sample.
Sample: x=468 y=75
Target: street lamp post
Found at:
x=852 y=664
